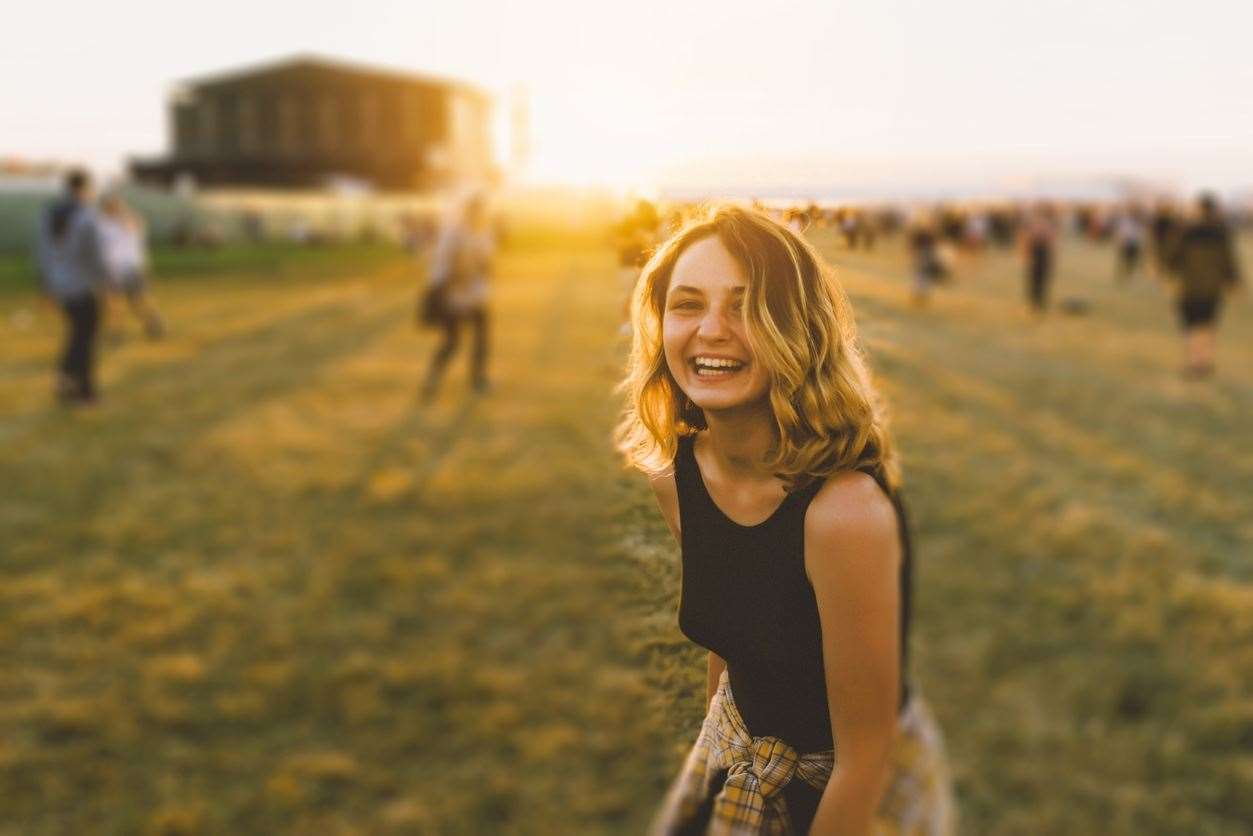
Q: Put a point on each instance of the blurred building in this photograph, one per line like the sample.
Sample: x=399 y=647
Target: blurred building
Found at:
x=309 y=121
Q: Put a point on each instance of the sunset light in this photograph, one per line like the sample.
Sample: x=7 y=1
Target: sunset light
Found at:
x=672 y=417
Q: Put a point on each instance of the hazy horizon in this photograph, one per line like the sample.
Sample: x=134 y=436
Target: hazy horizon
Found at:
x=890 y=95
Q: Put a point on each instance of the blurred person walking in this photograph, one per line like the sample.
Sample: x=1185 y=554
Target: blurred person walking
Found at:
x=124 y=244
x=1001 y=226
x=73 y=274
x=1163 y=229
x=1129 y=233
x=1038 y=241
x=850 y=228
x=976 y=230
x=457 y=290
x=924 y=246
x=748 y=392
x=1204 y=268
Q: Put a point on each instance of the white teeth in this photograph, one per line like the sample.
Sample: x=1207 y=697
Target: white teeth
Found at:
x=717 y=363
x=716 y=366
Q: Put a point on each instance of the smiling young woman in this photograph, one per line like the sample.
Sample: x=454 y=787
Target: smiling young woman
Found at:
x=752 y=411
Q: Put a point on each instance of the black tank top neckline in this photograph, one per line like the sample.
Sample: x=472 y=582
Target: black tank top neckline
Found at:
x=778 y=512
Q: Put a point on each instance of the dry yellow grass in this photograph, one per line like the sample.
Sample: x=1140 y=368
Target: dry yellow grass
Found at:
x=262 y=590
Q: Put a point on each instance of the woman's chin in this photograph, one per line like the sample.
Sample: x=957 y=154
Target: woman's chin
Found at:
x=726 y=401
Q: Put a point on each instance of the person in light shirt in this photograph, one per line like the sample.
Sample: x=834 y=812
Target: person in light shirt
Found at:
x=1129 y=233
x=123 y=240
x=460 y=268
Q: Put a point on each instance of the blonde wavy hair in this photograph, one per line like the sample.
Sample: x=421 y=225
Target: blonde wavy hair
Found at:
x=828 y=417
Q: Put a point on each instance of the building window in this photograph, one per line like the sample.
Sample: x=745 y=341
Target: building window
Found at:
x=208 y=127
x=410 y=108
x=248 y=134
x=288 y=124
x=328 y=123
x=369 y=124
x=186 y=141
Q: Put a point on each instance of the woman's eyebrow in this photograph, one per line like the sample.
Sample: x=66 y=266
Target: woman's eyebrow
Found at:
x=687 y=288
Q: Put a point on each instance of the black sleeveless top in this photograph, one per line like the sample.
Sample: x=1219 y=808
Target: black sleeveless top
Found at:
x=746 y=597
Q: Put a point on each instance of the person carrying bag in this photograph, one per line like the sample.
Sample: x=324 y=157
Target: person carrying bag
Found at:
x=457 y=291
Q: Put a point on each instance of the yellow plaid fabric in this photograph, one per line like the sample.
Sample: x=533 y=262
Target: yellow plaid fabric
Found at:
x=749 y=801
x=918 y=800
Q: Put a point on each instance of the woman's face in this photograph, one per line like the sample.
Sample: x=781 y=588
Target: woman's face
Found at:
x=703 y=334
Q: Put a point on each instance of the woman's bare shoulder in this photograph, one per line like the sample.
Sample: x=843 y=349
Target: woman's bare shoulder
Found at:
x=849 y=517
x=663 y=483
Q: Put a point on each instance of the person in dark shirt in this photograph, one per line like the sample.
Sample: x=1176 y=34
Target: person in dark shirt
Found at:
x=924 y=246
x=754 y=414
x=1038 y=241
x=1204 y=270
x=73 y=274
x=1162 y=232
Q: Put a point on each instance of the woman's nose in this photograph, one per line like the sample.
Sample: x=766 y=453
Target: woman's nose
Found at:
x=713 y=324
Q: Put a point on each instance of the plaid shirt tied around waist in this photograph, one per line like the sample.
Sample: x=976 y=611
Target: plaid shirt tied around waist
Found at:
x=757 y=768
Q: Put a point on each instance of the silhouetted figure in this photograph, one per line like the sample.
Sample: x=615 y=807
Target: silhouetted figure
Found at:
x=1084 y=221
x=1039 y=237
x=1001 y=226
x=72 y=272
x=952 y=225
x=924 y=246
x=1203 y=262
x=1163 y=230
x=460 y=268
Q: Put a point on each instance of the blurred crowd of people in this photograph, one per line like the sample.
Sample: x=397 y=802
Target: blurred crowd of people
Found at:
x=89 y=251
x=1188 y=248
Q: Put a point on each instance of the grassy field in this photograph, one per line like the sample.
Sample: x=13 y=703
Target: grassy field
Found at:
x=265 y=261
x=261 y=589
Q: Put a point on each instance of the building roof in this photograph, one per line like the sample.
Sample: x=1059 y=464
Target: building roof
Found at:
x=310 y=60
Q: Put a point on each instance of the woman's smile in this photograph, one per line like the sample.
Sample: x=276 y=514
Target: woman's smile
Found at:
x=713 y=367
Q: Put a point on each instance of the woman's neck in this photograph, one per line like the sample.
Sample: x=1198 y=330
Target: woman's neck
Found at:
x=740 y=439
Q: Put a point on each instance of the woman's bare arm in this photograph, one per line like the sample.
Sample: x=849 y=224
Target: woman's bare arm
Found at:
x=852 y=557
x=667 y=493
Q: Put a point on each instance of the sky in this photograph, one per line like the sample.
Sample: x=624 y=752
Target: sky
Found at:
x=694 y=93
